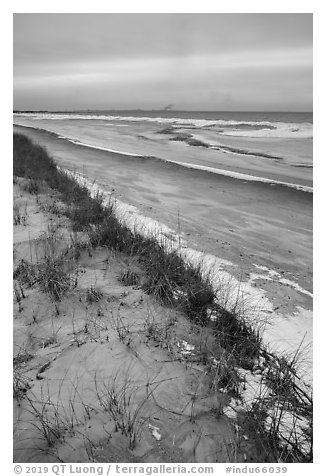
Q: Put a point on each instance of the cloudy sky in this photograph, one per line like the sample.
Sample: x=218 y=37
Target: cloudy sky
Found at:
x=194 y=61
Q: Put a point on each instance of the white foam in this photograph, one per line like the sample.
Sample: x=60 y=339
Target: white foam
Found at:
x=281 y=130
x=278 y=277
x=296 y=286
x=241 y=176
x=266 y=128
x=116 y=125
x=228 y=173
x=106 y=149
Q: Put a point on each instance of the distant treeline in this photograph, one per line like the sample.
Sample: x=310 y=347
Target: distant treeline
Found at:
x=31 y=112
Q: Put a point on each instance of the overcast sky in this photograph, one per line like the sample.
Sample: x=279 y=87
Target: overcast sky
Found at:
x=194 y=61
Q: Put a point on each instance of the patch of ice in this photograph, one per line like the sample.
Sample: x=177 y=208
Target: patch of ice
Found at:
x=256 y=276
x=230 y=412
x=296 y=286
x=272 y=273
x=289 y=426
x=212 y=315
x=253 y=386
x=185 y=347
x=155 y=432
x=177 y=294
x=265 y=269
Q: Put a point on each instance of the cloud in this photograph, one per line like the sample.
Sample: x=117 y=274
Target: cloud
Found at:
x=149 y=59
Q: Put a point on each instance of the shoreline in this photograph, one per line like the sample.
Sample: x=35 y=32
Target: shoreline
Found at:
x=236 y=172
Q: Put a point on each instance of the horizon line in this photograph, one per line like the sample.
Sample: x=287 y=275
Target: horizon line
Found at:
x=156 y=110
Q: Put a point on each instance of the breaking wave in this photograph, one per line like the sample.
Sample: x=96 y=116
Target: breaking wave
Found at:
x=222 y=126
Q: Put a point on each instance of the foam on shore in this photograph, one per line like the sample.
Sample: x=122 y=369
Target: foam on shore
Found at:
x=225 y=127
x=98 y=147
x=240 y=176
x=227 y=173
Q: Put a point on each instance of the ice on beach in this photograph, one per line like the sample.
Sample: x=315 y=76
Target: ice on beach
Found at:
x=271 y=274
x=155 y=432
x=283 y=334
x=294 y=285
x=185 y=347
x=290 y=426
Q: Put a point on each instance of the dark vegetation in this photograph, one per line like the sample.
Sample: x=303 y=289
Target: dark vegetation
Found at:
x=174 y=282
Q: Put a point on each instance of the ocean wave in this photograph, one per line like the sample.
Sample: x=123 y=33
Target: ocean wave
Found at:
x=246 y=177
x=284 y=130
x=98 y=147
x=228 y=173
x=223 y=127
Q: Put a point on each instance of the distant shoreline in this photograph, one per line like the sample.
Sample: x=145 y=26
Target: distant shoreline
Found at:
x=17 y=111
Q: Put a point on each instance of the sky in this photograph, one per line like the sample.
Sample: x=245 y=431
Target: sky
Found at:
x=225 y=62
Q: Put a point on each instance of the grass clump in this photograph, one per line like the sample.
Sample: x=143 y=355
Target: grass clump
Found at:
x=52 y=277
x=85 y=211
x=32 y=186
x=50 y=274
x=236 y=336
x=122 y=329
x=162 y=332
x=25 y=273
x=93 y=295
x=126 y=403
x=129 y=277
x=19 y=217
x=53 y=419
x=21 y=383
x=33 y=162
x=22 y=357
